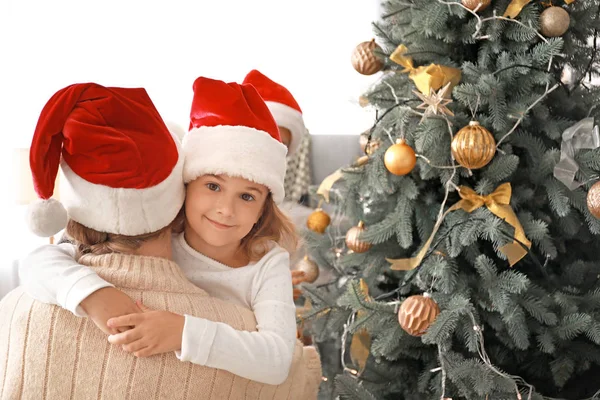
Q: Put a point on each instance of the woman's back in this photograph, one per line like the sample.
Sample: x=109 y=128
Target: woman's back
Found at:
x=47 y=352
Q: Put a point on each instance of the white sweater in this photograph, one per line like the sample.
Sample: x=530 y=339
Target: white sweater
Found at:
x=51 y=275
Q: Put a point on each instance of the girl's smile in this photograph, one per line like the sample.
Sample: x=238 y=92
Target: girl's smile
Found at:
x=219 y=225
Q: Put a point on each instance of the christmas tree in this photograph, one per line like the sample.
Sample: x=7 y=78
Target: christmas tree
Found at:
x=471 y=270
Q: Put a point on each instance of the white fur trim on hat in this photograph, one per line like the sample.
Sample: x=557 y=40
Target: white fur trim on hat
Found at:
x=128 y=212
x=237 y=151
x=289 y=118
x=46 y=218
x=176 y=130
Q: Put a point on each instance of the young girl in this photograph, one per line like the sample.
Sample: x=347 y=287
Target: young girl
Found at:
x=232 y=245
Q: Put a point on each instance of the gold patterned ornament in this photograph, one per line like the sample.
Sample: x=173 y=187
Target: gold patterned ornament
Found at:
x=478 y=5
x=364 y=60
x=426 y=78
x=435 y=103
x=593 y=200
x=498 y=203
x=400 y=158
x=473 y=146
x=554 y=22
x=353 y=239
x=417 y=313
x=310 y=269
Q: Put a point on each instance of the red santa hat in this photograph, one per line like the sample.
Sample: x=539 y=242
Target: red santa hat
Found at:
x=122 y=167
x=283 y=106
x=232 y=132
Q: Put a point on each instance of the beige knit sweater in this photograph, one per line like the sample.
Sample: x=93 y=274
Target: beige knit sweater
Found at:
x=48 y=353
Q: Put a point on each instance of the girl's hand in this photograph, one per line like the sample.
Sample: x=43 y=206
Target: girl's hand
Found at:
x=108 y=303
x=153 y=332
x=297 y=278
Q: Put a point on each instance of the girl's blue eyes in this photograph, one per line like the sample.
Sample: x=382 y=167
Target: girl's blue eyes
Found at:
x=247 y=197
x=216 y=188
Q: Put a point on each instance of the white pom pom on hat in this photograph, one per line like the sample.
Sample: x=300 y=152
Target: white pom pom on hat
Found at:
x=46 y=217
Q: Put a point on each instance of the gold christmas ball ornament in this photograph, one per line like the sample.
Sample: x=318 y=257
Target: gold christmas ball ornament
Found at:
x=554 y=21
x=364 y=59
x=352 y=239
x=310 y=269
x=593 y=200
x=400 y=158
x=417 y=313
x=363 y=101
x=473 y=4
x=318 y=221
x=473 y=146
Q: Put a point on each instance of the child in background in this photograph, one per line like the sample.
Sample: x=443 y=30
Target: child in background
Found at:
x=233 y=245
x=288 y=116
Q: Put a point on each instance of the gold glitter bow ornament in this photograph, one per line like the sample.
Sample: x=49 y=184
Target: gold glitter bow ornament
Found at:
x=498 y=203
x=514 y=8
x=429 y=77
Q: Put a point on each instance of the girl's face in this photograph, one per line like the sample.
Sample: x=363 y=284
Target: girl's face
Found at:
x=222 y=210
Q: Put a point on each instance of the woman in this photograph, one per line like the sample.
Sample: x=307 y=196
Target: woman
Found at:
x=123 y=189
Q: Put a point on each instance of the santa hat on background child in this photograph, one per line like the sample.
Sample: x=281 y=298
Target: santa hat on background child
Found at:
x=232 y=132
x=122 y=167
x=283 y=106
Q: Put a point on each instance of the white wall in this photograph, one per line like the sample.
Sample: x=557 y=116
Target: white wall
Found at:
x=164 y=45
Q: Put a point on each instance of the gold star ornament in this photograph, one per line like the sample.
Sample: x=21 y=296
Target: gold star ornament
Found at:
x=435 y=103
